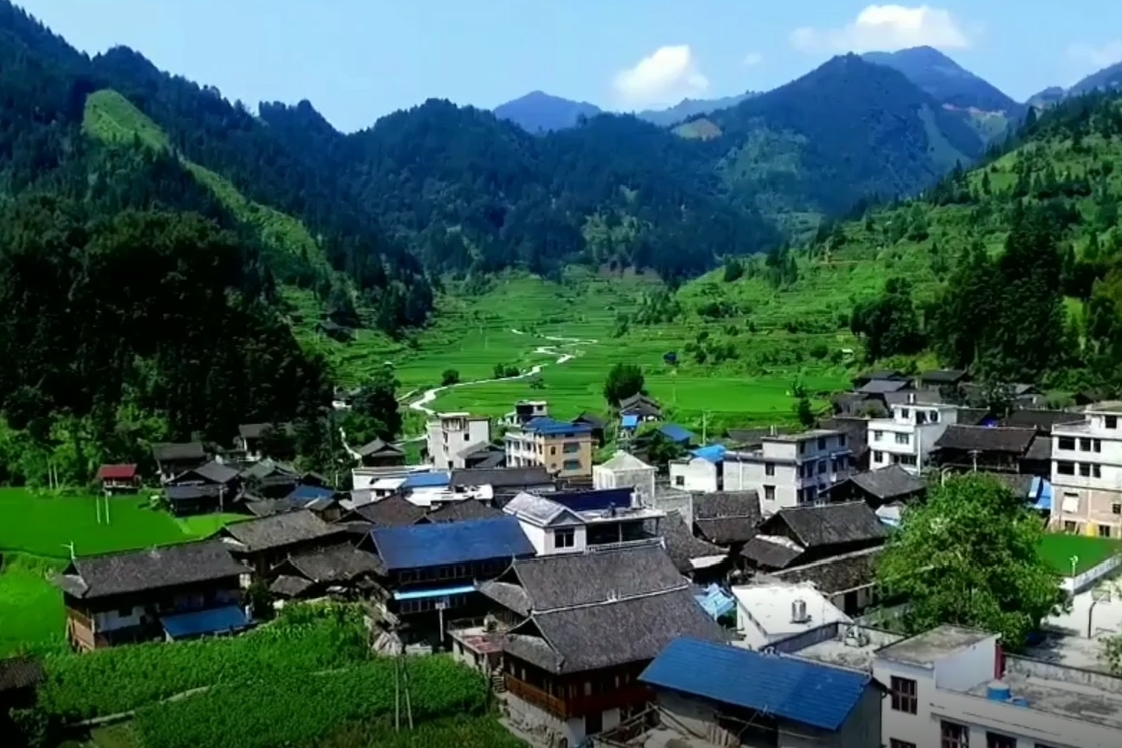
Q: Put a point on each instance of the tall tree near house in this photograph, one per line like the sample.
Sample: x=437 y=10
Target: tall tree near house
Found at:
x=889 y=324
x=624 y=380
x=969 y=556
x=962 y=314
x=374 y=412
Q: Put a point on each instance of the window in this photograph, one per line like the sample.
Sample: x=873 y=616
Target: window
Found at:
x=878 y=456
x=821 y=444
x=571 y=447
x=903 y=438
x=1111 y=422
x=954 y=735
x=841 y=440
x=564 y=538
x=934 y=416
x=921 y=417
x=1085 y=469
x=1097 y=445
x=894 y=743
x=124 y=612
x=769 y=493
x=802 y=447
x=1084 y=445
x=553 y=450
x=878 y=435
x=679 y=480
x=907 y=459
x=997 y=740
x=1104 y=531
x=1065 y=468
x=1116 y=508
x=1096 y=471
x=769 y=468
x=821 y=467
x=1067 y=442
x=571 y=465
x=904 y=695
x=1071 y=527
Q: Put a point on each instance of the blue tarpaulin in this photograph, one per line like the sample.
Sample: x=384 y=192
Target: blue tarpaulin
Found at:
x=597 y=500
x=630 y=422
x=1041 y=494
x=713 y=453
x=462 y=589
x=676 y=433
x=716 y=601
x=213 y=621
x=306 y=494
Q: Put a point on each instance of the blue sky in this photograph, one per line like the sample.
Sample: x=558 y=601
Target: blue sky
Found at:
x=356 y=60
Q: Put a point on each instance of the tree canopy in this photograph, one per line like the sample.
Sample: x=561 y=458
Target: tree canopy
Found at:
x=623 y=381
x=969 y=556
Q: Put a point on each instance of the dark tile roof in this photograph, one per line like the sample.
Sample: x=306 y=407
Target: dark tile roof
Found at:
x=973 y=416
x=591 y=419
x=289 y=586
x=637 y=399
x=573 y=640
x=837 y=574
x=727 y=516
x=943 y=376
x=856 y=432
x=458 y=511
x=17 y=673
x=986 y=439
x=445 y=543
x=279 y=530
x=1019 y=483
x=790 y=688
x=681 y=544
x=216 y=472
x=1040 y=449
x=92 y=577
x=493 y=460
x=883 y=386
x=378 y=447
x=393 y=511
x=575 y=579
x=193 y=492
x=882 y=374
x=269 y=468
x=889 y=483
x=920 y=397
x=768 y=554
x=340 y=563
x=255 y=430
x=827 y=524
x=1041 y=420
x=519 y=477
x=176 y=452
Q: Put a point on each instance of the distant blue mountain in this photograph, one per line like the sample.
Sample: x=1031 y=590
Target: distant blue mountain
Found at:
x=539 y=112
x=946 y=81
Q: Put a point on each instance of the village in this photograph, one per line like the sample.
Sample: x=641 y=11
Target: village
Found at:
x=726 y=597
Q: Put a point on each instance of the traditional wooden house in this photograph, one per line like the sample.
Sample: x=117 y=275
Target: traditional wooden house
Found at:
x=20 y=677
x=255 y=441
x=726 y=518
x=944 y=378
x=265 y=542
x=500 y=484
x=645 y=408
x=594 y=422
x=393 y=511
x=466 y=510
x=887 y=485
x=802 y=535
x=175 y=459
x=699 y=560
x=428 y=571
x=269 y=479
x=580 y=628
x=173 y=592
x=118 y=479
x=380 y=454
x=971 y=448
x=847 y=581
x=339 y=570
x=210 y=487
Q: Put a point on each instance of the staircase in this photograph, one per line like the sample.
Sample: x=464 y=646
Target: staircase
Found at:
x=498 y=683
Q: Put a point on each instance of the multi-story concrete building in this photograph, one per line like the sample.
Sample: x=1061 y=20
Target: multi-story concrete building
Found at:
x=908 y=437
x=626 y=471
x=452 y=435
x=1087 y=473
x=563 y=449
x=526 y=411
x=789 y=470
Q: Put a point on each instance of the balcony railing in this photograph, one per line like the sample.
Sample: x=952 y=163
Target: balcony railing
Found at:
x=630 y=695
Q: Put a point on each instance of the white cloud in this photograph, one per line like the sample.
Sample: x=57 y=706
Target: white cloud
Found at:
x=1098 y=57
x=662 y=78
x=752 y=59
x=886 y=28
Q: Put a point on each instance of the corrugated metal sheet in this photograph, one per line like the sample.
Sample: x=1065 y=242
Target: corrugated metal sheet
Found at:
x=593 y=501
x=426 y=480
x=214 y=621
x=716 y=601
x=712 y=453
x=797 y=690
x=675 y=433
x=310 y=493
x=446 y=543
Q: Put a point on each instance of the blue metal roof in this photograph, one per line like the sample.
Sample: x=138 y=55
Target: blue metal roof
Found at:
x=426 y=480
x=462 y=589
x=446 y=543
x=305 y=494
x=596 y=500
x=550 y=427
x=713 y=452
x=215 y=621
x=807 y=692
x=630 y=421
x=675 y=433
x=716 y=601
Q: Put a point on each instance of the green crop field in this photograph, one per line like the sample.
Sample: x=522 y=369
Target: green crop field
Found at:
x=36 y=530
x=1058 y=549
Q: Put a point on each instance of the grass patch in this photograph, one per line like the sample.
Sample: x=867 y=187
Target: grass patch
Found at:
x=31 y=612
x=1058 y=549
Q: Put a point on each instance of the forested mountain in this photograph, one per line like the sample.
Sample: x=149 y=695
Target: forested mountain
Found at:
x=1108 y=78
x=848 y=130
x=945 y=80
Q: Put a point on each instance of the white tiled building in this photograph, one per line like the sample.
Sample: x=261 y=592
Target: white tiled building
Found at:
x=450 y=435
x=789 y=470
x=1087 y=473
x=908 y=437
x=554 y=528
x=624 y=470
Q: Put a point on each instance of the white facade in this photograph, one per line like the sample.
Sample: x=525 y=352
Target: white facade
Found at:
x=768 y=613
x=789 y=470
x=626 y=471
x=909 y=436
x=942 y=691
x=1087 y=473
x=554 y=528
x=695 y=474
x=451 y=434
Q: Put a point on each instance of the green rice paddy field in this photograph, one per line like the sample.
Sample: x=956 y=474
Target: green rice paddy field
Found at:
x=36 y=530
x=1059 y=549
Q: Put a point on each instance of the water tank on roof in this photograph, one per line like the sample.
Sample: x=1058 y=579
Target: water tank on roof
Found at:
x=998 y=691
x=798 y=611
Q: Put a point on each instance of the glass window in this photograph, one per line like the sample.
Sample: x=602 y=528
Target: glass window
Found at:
x=903 y=695
x=564 y=538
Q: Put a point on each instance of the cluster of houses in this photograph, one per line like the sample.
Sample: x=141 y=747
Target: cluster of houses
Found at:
x=717 y=605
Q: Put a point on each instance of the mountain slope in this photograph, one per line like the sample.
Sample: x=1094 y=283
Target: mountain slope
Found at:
x=687 y=108
x=1062 y=169
x=945 y=80
x=538 y=112
x=1108 y=78
x=845 y=131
